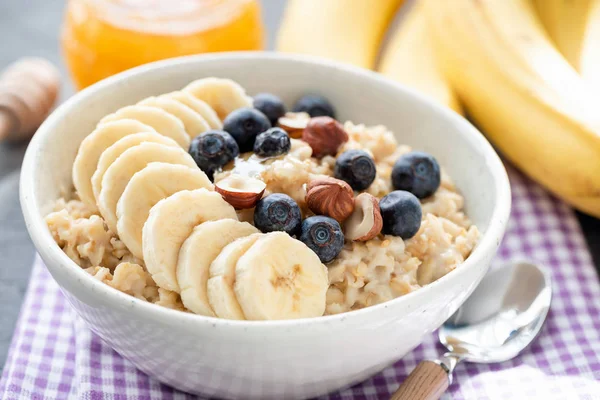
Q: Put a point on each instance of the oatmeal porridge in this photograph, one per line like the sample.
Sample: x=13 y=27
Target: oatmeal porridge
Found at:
x=266 y=214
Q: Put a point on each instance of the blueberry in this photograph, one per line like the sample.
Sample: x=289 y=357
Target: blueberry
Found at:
x=324 y=236
x=212 y=150
x=416 y=172
x=357 y=168
x=273 y=142
x=270 y=105
x=244 y=124
x=278 y=212
x=315 y=106
x=401 y=213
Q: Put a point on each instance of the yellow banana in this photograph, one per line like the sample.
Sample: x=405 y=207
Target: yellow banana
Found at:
x=409 y=58
x=524 y=95
x=590 y=57
x=343 y=30
x=566 y=23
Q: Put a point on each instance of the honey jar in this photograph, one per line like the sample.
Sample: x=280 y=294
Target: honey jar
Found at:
x=103 y=37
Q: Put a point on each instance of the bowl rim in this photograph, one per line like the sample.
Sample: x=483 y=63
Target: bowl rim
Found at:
x=113 y=298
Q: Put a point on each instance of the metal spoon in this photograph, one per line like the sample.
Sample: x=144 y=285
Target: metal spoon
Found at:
x=500 y=319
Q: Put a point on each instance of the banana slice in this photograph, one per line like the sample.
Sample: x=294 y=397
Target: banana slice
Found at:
x=132 y=160
x=201 y=107
x=193 y=122
x=93 y=146
x=170 y=222
x=280 y=278
x=162 y=122
x=221 y=295
x=198 y=252
x=113 y=152
x=223 y=95
x=146 y=188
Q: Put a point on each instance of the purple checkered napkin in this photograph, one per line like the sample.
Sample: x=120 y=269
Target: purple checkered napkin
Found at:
x=54 y=356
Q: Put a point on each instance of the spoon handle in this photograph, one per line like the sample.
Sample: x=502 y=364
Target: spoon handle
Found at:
x=427 y=382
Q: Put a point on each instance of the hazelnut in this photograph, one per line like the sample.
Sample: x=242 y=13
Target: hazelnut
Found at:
x=241 y=191
x=324 y=135
x=331 y=197
x=294 y=123
x=365 y=222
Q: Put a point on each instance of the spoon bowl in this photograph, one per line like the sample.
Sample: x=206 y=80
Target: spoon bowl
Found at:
x=498 y=321
x=502 y=316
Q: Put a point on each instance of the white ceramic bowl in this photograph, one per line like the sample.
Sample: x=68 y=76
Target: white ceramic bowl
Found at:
x=275 y=359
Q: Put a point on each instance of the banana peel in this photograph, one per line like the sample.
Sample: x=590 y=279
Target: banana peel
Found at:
x=409 y=58
x=566 y=22
x=590 y=54
x=348 y=31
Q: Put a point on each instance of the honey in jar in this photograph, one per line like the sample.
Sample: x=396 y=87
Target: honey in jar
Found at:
x=103 y=37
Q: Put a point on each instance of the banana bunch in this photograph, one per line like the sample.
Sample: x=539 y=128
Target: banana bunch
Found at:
x=135 y=169
x=523 y=70
x=530 y=102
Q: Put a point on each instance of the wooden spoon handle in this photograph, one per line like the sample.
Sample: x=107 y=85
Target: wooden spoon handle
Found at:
x=427 y=382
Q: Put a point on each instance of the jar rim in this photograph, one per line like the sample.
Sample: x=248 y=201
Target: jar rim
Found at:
x=175 y=18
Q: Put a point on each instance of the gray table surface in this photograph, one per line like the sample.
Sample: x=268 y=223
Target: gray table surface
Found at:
x=30 y=27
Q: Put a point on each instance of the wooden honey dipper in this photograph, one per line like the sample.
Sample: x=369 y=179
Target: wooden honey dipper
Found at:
x=28 y=90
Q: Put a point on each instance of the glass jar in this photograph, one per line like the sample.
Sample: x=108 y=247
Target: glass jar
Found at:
x=103 y=37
